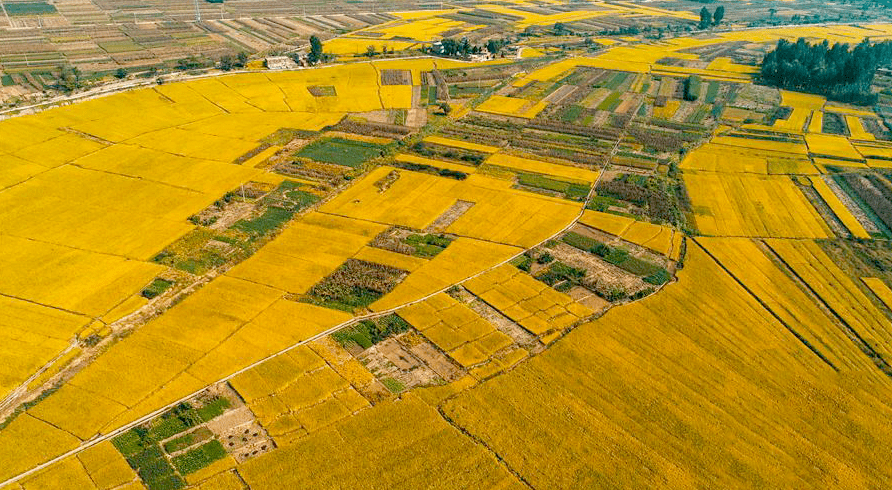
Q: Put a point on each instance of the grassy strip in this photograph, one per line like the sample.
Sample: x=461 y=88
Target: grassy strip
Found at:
x=610 y=102
x=572 y=191
x=369 y=332
x=618 y=257
x=712 y=92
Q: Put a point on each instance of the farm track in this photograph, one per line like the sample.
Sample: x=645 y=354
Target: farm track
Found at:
x=370 y=316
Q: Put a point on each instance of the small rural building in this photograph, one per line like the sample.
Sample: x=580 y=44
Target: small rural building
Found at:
x=278 y=62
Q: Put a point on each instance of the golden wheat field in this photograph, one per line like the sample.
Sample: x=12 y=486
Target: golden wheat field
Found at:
x=565 y=271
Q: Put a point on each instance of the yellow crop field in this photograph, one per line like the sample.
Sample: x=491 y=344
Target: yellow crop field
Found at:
x=544 y=168
x=874 y=150
x=668 y=110
x=609 y=223
x=857 y=129
x=62 y=411
x=530 y=303
x=307 y=251
x=415 y=200
x=752 y=205
x=277 y=373
x=816 y=125
x=703 y=359
x=44 y=443
x=764 y=341
x=726 y=159
x=106 y=466
x=658 y=238
x=228 y=324
x=72 y=204
x=849 y=110
x=393 y=259
x=456 y=329
x=832 y=146
x=69 y=473
x=759 y=144
x=510 y=106
x=348 y=45
x=467 y=145
x=458 y=167
x=69 y=279
x=880 y=289
x=795 y=123
x=748 y=263
x=283 y=324
x=100 y=467
x=837 y=290
x=31 y=335
x=397 y=443
x=838 y=208
x=205 y=176
x=462 y=259
x=801 y=100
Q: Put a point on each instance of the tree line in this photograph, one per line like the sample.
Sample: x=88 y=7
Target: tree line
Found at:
x=837 y=72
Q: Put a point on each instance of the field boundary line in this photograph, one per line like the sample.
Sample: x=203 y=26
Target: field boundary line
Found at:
x=767 y=308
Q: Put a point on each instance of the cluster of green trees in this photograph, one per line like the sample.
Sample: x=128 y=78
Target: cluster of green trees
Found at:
x=228 y=62
x=462 y=47
x=708 y=19
x=838 y=72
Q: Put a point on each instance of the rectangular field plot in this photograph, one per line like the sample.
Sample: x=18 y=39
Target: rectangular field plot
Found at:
x=401 y=442
x=751 y=205
x=415 y=200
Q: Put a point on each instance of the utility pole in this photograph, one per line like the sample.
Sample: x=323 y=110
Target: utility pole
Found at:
x=197 y=12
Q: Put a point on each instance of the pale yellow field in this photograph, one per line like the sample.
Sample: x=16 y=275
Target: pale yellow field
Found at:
x=510 y=106
x=665 y=383
x=833 y=147
x=748 y=263
x=415 y=200
x=531 y=303
x=463 y=258
x=544 y=168
x=456 y=329
x=837 y=290
x=880 y=289
x=752 y=205
x=467 y=145
x=838 y=208
x=307 y=251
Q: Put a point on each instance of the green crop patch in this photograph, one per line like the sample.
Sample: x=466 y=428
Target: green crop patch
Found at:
x=29 y=8
x=340 y=151
x=369 y=332
x=200 y=457
x=158 y=287
x=190 y=439
x=356 y=284
x=428 y=245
